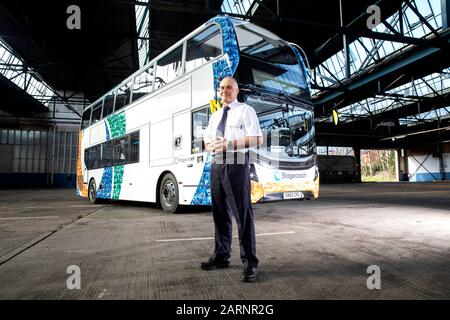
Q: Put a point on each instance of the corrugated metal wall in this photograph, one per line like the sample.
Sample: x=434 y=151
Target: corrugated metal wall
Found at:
x=29 y=150
x=65 y=154
x=42 y=156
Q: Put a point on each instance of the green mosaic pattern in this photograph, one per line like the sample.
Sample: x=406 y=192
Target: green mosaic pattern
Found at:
x=118 y=176
x=117 y=125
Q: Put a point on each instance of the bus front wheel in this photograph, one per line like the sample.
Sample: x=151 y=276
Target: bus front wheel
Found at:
x=168 y=193
x=92 y=192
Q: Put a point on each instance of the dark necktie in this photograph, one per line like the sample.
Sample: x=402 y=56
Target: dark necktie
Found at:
x=221 y=128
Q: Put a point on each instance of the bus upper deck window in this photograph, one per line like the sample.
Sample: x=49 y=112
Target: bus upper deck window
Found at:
x=108 y=106
x=123 y=96
x=143 y=83
x=86 y=118
x=168 y=67
x=96 y=112
x=203 y=47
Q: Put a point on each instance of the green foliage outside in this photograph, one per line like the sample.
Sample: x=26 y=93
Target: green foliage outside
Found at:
x=379 y=168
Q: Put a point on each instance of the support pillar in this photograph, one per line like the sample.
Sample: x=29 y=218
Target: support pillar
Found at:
x=402 y=165
x=445 y=9
x=440 y=155
x=357 y=152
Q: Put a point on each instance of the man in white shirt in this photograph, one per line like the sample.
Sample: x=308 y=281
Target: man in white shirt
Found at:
x=231 y=131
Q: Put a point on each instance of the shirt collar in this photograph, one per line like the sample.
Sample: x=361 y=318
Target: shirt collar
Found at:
x=233 y=104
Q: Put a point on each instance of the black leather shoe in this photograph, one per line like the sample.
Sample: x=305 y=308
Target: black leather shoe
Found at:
x=212 y=264
x=249 y=274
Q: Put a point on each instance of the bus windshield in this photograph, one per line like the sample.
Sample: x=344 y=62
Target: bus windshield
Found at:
x=288 y=128
x=269 y=63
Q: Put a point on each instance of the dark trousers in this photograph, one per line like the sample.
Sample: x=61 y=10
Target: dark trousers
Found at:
x=230 y=195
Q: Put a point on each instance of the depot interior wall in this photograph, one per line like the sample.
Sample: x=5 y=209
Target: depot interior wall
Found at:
x=33 y=158
x=429 y=163
x=41 y=149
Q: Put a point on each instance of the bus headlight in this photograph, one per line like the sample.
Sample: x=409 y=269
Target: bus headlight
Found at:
x=253 y=175
x=257 y=191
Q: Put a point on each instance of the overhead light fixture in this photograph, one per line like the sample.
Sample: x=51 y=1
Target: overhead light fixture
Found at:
x=36 y=75
x=396 y=137
x=335 y=116
x=385 y=124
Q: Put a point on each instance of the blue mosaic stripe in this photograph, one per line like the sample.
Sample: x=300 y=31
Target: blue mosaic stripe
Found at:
x=108 y=136
x=202 y=195
x=222 y=68
x=303 y=67
x=115 y=126
x=106 y=183
x=227 y=66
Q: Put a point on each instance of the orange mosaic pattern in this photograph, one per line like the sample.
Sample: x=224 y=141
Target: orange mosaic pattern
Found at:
x=81 y=187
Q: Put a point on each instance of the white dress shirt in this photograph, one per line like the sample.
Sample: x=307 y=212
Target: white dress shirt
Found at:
x=242 y=121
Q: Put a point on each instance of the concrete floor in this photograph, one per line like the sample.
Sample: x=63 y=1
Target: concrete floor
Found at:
x=317 y=249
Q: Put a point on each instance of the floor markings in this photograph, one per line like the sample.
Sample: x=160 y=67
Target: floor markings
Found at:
x=25 y=218
x=212 y=238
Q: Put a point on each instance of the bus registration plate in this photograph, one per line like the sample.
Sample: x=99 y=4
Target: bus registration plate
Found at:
x=293 y=195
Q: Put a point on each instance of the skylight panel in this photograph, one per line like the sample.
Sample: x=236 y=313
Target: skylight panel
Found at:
x=27 y=81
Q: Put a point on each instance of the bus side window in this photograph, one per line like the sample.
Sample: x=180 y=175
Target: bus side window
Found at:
x=96 y=112
x=107 y=152
x=168 y=67
x=123 y=96
x=143 y=83
x=86 y=118
x=86 y=159
x=92 y=157
x=203 y=47
x=97 y=156
x=120 y=152
x=108 y=106
x=134 y=147
x=199 y=124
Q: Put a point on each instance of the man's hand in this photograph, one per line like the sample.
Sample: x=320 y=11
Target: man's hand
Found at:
x=209 y=147
x=220 y=144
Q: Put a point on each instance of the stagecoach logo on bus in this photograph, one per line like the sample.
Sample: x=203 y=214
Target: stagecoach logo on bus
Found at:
x=280 y=175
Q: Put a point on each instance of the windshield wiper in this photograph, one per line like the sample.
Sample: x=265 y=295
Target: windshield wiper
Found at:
x=295 y=99
x=265 y=93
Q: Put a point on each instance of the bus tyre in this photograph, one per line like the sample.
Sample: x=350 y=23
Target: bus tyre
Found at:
x=92 y=192
x=168 y=193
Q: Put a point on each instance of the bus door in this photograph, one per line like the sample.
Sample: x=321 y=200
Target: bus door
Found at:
x=181 y=134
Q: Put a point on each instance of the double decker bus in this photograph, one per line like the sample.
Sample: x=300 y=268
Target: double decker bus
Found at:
x=143 y=140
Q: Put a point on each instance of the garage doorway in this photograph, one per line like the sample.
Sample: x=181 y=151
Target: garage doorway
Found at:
x=379 y=166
